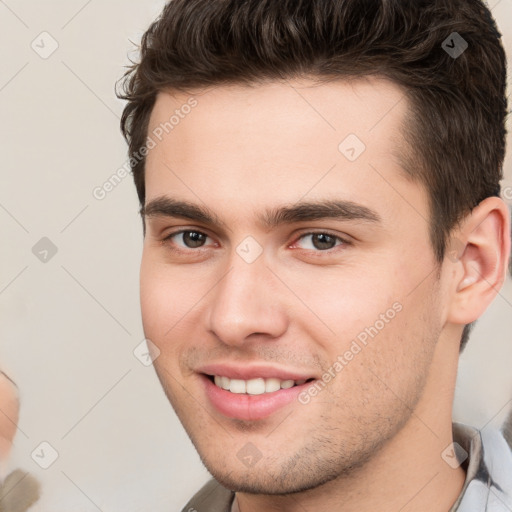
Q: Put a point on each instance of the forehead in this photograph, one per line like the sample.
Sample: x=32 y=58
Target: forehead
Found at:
x=279 y=142
x=360 y=105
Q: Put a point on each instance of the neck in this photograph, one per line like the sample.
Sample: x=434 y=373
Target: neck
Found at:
x=408 y=474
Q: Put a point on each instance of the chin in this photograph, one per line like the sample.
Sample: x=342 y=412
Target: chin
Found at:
x=265 y=485
x=290 y=477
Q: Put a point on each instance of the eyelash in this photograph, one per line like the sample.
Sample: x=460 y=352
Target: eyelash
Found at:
x=337 y=238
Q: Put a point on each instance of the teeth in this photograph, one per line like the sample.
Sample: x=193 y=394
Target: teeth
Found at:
x=238 y=386
x=272 y=385
x=254 y=386
x=287 y=384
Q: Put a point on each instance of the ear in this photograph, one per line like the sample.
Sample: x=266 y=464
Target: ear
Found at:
x=479 y=251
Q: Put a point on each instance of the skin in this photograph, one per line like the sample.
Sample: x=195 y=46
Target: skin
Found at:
x=18 y=489
x=9 y=415
x=373 y=437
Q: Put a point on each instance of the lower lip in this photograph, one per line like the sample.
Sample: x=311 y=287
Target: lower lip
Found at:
x=250 y=407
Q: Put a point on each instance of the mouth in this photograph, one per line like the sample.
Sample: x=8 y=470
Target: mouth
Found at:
x=252 y=399
x=256 y=386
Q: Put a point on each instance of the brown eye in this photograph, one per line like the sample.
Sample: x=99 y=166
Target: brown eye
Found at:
x=187 y=239
x=320 y=241
x=193 y=239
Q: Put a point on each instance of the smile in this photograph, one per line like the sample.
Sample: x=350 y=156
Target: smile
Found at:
x=251 y=399
x=257 y=386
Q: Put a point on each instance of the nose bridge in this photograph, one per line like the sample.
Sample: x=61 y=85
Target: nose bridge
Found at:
x=244 y=302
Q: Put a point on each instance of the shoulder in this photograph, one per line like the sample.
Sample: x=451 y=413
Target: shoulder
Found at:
x=488 y=483
x=212 y=497
x=497 y=457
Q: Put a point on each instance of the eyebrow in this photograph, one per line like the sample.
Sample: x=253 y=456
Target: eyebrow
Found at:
x=299 y=212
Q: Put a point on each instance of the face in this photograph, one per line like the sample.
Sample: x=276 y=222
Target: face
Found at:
x=287 y=277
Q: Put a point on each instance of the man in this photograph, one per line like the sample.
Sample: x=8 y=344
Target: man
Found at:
x=319 y=187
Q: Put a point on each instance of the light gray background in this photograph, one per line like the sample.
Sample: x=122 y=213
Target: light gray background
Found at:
x=69 y=326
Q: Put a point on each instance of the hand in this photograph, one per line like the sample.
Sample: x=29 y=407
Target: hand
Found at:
x=9 y=415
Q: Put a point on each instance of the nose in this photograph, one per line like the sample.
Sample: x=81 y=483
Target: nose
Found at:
x=246 y=304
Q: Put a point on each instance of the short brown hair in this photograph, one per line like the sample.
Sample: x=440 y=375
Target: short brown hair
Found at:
x=457 y=95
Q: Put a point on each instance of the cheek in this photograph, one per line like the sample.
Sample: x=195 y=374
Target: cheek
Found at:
x=347 y=304
x=160 y=300
x=151 y=292
x=169 y=298
x=373 y=316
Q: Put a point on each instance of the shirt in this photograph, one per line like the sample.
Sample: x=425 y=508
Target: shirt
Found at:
x=487 y=487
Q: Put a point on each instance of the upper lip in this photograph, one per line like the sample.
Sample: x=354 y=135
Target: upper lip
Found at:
x=252 y=371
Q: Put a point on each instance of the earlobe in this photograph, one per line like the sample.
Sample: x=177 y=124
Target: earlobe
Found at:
x=484 y=247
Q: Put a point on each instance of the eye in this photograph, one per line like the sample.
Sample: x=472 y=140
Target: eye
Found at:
x=321 y=241
x=187 y=239
x=316 y=241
